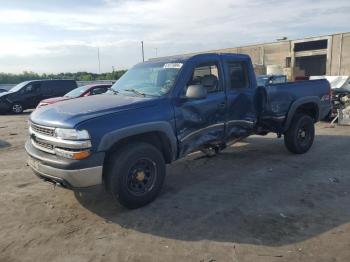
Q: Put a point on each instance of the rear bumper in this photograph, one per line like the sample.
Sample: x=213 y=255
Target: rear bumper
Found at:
x=68 y=173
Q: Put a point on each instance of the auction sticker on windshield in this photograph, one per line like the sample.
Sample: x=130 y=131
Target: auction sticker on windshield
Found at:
x=173 y=65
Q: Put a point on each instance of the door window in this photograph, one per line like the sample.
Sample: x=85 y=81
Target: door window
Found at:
x=98 y=90
x=208 y=76
x=28 y=89
x=31 y=89
x=238 y=75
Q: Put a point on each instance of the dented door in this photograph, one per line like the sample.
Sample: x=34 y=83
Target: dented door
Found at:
x=200 y=122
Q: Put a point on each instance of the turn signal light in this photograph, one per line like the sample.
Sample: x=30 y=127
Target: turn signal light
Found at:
x=81 y=155
x=77 y=155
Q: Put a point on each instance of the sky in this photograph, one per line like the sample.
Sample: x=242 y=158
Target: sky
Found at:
x=51 y=36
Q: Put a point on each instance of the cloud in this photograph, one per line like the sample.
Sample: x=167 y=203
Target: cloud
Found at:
x=55 y=32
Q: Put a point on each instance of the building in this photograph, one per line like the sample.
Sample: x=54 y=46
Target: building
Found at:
x=322 y=55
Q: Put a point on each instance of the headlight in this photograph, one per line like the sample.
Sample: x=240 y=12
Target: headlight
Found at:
x=71 y=134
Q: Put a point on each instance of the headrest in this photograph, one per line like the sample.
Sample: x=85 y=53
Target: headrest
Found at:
x=209 y=81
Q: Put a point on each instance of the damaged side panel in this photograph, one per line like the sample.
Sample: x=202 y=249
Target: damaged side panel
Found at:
x=200 y=122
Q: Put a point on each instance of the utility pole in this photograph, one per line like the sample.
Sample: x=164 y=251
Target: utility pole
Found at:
x=99 y=61
x=143 y=52
x=156 y=51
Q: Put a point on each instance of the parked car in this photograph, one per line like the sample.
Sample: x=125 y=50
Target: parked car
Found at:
x=27 y=95
x=87 y=90
x=160 y=111
x=264 y=80
x=2 y=90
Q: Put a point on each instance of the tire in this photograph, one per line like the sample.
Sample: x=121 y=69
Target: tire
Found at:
x=16 y=108
x=135 y=174
x=300 y=135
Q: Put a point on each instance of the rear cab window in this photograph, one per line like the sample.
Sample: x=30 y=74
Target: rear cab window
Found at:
x=237 y=75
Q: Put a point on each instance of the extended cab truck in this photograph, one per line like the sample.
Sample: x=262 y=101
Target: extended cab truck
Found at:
x=160 y=111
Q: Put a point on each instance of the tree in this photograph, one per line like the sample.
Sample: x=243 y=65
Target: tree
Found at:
x=79 y=76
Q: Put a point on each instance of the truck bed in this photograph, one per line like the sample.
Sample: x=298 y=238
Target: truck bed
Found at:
x=280 y=97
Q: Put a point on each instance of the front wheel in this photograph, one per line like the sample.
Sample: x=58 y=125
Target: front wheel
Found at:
x=17 y=108
x=135 y=174
x=300 y=135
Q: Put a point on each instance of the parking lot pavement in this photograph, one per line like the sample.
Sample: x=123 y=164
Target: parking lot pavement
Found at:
x=253 y=202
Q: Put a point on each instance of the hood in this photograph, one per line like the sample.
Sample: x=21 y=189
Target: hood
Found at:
x=71 y=112
x=55 y=99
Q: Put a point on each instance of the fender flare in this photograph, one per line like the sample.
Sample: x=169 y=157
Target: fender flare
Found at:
x=109 y=139
x=293 y=108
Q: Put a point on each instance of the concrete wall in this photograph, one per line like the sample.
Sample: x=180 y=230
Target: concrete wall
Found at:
x=345 y=55
x=265 y=56
x=335 y=58
x=275 y=54
x=340 y=61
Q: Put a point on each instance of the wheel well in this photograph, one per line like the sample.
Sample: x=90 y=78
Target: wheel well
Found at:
x=310 y=109
x=157 y=139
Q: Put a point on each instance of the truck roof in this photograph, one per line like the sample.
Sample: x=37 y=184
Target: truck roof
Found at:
x=183 y=58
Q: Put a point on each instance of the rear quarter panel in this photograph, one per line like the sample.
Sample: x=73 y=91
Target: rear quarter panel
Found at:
x=280 y=97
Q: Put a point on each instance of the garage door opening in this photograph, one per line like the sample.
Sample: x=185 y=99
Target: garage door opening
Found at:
x=312 y=65
x=311 y=45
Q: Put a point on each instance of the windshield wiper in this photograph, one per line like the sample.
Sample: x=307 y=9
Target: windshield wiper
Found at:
x=115 y=92
x=133 y=90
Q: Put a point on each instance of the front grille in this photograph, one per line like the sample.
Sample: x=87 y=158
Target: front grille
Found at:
x=48 y=131
x=43 y=146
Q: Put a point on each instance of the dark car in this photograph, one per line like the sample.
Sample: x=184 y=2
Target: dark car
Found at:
x=162 y=110
x=27 y=95
x=87 y=90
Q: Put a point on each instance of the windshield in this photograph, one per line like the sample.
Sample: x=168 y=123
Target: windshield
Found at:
x=148 y=79
x=77 y=92
x=18 y=87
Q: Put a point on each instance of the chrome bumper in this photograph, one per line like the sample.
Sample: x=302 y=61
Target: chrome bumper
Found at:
x=68 y=178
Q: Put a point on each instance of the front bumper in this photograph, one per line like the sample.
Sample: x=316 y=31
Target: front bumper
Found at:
x=68 y=173
x=4 y=107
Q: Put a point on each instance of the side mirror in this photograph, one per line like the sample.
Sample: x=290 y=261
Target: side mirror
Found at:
x=196 y=92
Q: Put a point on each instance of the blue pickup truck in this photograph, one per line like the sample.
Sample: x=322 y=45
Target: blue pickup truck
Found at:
x=160 y=111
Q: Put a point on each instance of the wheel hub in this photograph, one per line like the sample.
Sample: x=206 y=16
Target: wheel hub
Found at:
x=140 y=176
x=17 y=108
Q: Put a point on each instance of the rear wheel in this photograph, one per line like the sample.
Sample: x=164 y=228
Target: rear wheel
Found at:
x=17 y=108
x=300 y=135
x=135 y=174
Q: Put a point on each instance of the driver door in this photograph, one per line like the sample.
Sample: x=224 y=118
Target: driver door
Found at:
x=202 y=121
x=31 y=95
